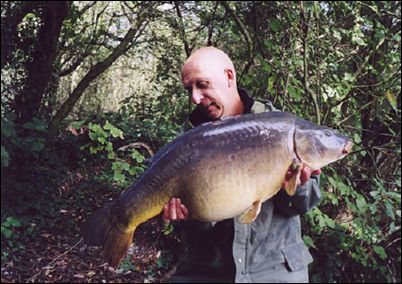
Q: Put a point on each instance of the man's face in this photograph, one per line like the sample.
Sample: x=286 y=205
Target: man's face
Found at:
x=207 y=84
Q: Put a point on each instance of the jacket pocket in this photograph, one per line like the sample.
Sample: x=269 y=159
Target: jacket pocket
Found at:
x=297 y=256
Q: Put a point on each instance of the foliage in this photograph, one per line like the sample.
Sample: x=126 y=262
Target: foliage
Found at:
x=102 y=146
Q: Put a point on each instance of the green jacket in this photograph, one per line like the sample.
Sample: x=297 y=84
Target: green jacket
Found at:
x=268 y=250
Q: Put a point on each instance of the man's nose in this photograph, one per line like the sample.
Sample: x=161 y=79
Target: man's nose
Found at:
x=196 y=97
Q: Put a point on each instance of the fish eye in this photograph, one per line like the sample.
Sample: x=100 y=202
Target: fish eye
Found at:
x=328 y=132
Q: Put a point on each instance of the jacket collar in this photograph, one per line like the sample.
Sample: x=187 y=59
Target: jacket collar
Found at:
x=198 y=116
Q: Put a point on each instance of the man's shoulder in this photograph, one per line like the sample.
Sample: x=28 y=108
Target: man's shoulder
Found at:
x=262 y=106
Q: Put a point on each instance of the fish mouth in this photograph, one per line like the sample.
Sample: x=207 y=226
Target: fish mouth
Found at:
x=348 y=148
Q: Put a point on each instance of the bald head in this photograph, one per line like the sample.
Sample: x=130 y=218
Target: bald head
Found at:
x=209 y=77
x=211 y=58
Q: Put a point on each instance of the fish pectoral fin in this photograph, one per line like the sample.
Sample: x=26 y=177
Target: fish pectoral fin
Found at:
x=251 y=214
x=294 y=179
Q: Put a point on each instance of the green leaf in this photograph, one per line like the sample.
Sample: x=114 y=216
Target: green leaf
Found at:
x=7 y=128
x=137 y=156
x=6 y=232
x=119 y=177
x=361 y=204
x=380 y=251
x=39 y=124
x=36 y=124
x=113 y=130
x=389 y=210
x=37 y=146
x=92 y=136
x=132 y=171
x=394 y=195
x=271 y=81
x=125 y=166
x=116 y=165
x=77 y=124
x=5 y=157
x=391 y=99
x=356 y=138
x=266 y=66
x=14 y=222
x=348 y=77
x=111 y=155
x=97 y=130
x=309 y=242
x=275 y=25
x=109 y=147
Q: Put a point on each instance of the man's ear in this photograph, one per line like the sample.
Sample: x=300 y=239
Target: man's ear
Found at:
x=230 y=77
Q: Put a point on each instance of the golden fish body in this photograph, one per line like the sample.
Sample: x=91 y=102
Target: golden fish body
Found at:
x=220 y=170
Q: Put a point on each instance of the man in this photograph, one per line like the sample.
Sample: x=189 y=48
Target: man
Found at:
x=271 y=248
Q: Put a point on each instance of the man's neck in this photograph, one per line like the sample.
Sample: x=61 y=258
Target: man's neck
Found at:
x=238 y=105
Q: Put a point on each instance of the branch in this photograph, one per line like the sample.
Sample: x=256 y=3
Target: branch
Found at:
x=182 y=29
x=246 y=35
x=53 y=261
x=92 y=74
x=211 y=28
x=137 y=145
x=75 y=65
x=306 y=28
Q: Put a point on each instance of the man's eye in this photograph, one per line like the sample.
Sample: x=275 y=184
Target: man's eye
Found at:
x=202 y=85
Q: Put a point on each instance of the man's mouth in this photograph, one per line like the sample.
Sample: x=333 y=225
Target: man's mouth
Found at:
x=210 y=104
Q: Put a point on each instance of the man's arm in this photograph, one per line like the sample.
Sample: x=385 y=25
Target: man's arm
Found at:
x=307 y=196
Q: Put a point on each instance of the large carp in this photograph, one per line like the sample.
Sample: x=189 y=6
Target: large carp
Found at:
x=220 y=170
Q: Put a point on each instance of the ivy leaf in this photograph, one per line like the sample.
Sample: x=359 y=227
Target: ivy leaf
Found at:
x=137 y=156
x=113 y=130
x=381 y=252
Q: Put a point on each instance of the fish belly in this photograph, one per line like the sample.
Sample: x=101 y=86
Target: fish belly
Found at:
x=227 y=185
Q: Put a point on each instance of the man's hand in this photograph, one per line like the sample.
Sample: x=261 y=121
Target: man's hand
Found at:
x=175 y=210
x=305 y=174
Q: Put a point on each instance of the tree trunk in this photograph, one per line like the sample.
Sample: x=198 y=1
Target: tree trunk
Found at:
x=40 y=69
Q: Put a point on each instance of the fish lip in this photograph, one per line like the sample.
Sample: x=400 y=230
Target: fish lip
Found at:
x=348 y=147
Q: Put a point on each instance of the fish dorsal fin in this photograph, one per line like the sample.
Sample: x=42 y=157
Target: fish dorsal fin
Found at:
x=296 y=168
x=251 y=214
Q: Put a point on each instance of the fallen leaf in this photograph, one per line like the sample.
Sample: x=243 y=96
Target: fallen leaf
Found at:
x=46 y=235
x=78 y=276
x=91 y=273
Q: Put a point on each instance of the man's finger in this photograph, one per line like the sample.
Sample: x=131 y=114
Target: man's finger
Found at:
x=185 y=211
x=288 y=175
x=316 y=172
x=179 y=212
x=165 y=215
x=172 y=209
x=305 y=175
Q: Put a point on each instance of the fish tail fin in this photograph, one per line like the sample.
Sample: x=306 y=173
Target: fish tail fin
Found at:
x=100 y=230
x=116 y=244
